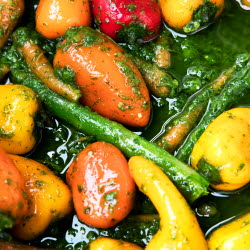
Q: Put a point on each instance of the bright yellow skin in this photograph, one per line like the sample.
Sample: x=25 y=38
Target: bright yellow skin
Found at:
x=179 y=228
x=234 y=235
x=18 y=106
x=112 y=244
x=49 y=198
x=179 y=13
x=225 y=144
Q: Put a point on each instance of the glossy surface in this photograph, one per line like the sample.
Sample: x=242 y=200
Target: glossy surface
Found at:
x=179 y=228
x=11 y=12
x=233 y=235
x=225 y=144
x=102 y=187
x=197 y=58
x=18 y=107
x=13 y=201
x=177 y=14
x=54 y=17
x=110 y=82
x=41 y=67
x=49 y=198
x=113 y=16
x=200 y=57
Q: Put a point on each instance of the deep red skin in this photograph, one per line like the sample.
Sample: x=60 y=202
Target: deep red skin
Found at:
x=108 y=14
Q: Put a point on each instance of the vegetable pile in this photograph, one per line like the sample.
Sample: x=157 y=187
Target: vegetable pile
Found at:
x=123 y=123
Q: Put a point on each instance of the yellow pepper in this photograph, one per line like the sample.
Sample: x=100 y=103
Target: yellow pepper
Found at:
x=234 y=235
x=178 y=14
x=179 y=228
x=222 y=151
x=112 y=244
x=48 y=196
x=18 y=106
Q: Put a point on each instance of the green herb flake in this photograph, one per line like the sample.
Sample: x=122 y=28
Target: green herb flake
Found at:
x=8 y=107
x=124 y=106
x=86 y=210
x=131 y=7
x=110 y=196
x=241 y=166
x=20 y=205
x=132 y=79
x=81 y=188
x=120 y=243
x=53 y=211
x=8 y=181
x=39 y=183
x=1 y=32
x=121 y=23
x=24 y=195
x=6 y=135
x=145 y=105
x=245 y=223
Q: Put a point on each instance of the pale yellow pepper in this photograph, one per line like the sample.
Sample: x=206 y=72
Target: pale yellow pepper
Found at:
x=234 y=235
x=18 y=107
x=112 y=244
x=225 y=148
x=179 y=228
x=177 y=14
x=48 y=196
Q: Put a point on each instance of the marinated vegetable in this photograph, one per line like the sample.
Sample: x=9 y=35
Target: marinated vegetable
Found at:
x=49 y=198
x=110 y=82
x=232 y=235
x=40 y=65
x=197 y=59
x=221 y=153
x=19 y=106
x=102 y=187
x=11 y=11
x=189 y=16
x=13 y=199
x=128 y=20
x=54 y=17
x=176 y=217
